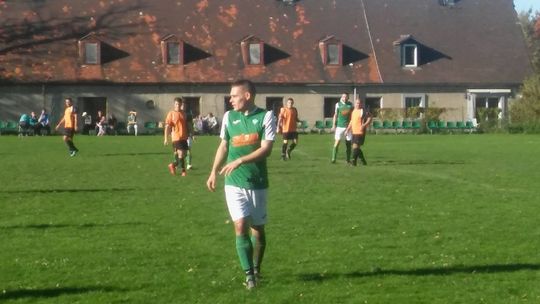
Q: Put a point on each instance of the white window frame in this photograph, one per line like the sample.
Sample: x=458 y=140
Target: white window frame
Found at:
x=404 y=57
x=414 y=95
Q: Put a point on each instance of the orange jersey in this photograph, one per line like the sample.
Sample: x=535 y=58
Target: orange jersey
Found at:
x=177 y=121
x=356 y=122
x=69 y=117
x=289 y=119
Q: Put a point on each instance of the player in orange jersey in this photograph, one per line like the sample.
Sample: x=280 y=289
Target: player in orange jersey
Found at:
x=287 y=121
x=360 y=119
x=70 y=126
x=176 y=125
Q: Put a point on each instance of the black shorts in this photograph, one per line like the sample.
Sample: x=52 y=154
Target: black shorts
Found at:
x=290 y=135
x=358 y=139
x=69 y=132
x=180 y=145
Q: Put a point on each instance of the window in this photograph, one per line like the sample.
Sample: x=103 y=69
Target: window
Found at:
x=91 y=53
x=332 y=54
x=487 y=108
x=173 y=53
x=274 y=104
x=172 y=50
x=331 y=50
x=329 y=106
x=373 y=105
x=254 y=53
x=414 y=105
x=409 y=55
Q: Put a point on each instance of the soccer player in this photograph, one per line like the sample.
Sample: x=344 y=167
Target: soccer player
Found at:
x=340 y=121
x=70 y=126
x=287 y=121
x=189 y=123
x=360 y=119
x=247 y=135
x=175 y=124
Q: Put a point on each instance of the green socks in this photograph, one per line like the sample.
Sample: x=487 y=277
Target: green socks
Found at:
x=258 y=251
x=244 y=248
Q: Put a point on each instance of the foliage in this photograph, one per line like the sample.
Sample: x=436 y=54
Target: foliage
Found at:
x=433 y=114
x=525 y=112
x=390 y=114
x=530 y=26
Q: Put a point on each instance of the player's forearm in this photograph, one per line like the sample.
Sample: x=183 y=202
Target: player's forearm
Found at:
x=166 y=132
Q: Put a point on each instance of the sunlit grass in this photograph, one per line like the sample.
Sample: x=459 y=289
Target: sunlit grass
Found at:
x=431 y=219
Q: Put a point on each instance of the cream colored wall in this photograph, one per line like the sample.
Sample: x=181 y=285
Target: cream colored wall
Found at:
x=309 y=100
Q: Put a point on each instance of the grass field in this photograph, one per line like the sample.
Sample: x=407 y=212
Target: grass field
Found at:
x=431 y=219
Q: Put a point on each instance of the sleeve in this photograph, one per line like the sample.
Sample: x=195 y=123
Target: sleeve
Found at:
x=74 y=110
x=223 y=133
x=269 y=125
x=336 y=107
x=168 y=119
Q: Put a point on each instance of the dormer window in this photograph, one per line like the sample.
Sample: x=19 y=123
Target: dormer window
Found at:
x=255 y=52
x=331 y=51
x=252 y=51
x=90 y=50
x=172 y=50
x=409 y=55
x=408 y=48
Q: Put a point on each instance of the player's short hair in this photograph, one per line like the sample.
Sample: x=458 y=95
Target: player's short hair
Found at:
x=246 y=84
x=345 y=94
x=179 y=99
x=69 y=99
x=290 y=98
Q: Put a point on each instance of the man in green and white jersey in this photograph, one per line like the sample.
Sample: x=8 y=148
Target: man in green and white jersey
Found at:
x=342 y=116
x=247 y=136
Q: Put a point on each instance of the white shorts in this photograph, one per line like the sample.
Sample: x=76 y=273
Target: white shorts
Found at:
x=247 y=203
x=339 y=134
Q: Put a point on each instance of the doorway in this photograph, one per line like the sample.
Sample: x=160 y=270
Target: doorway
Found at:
x=91 y=105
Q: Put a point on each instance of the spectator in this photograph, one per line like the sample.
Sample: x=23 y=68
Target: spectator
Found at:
x=87 y=124
x=132 y=122
x=43 y=122
x=198 y=124
x=101 y=125
x=33 y=123
x=24 y=124
x=212 y=123
x=100 y=121
x=111 y=123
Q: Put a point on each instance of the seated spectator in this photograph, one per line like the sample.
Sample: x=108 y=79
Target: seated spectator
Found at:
x=24 y=124
x=198 y=124
x=132 y=122
x=101 y=126
x=33 y=123
x=87 y=123
x=111 y=124
x=212 y=123
x=43 y=122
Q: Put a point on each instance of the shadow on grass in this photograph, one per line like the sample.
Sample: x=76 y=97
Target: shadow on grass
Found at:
x=414 y=162
x=443 y=271
x=54 y=292
x=135 y=154
x=43 y=191
x=59 y=226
